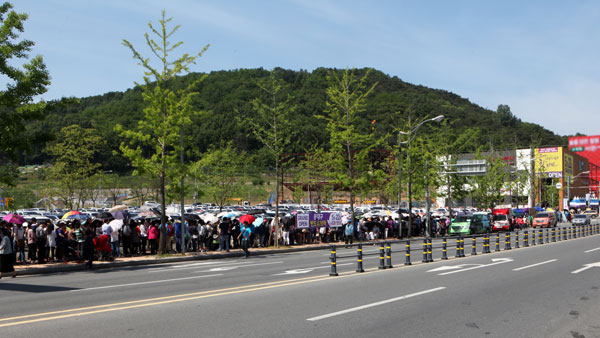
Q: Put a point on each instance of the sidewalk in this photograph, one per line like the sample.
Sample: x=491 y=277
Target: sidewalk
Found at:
x=36 y=269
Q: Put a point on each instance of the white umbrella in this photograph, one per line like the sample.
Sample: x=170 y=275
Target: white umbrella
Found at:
x=116 y=224
x=118 y=207
x=209 y=218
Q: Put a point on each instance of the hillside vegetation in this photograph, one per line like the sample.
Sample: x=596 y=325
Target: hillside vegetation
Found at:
x=224 y=105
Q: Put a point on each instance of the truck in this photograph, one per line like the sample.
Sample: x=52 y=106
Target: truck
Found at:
x=503 y=219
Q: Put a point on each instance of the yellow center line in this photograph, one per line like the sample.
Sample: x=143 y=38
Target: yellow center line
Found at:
x=151 y=299
x=170 y=300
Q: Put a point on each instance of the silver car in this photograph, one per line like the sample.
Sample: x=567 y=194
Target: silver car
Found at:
x=580 y=219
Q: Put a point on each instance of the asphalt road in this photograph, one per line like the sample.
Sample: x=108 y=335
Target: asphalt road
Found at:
x=549 y=290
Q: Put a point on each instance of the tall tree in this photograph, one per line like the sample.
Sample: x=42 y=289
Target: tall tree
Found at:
x=25 y=80
x=74 y=163
x=153 y=146
x=487 y=189
x=346 y=100
x=272 y=127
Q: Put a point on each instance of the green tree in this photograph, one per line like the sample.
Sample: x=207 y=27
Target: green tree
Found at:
x=24 y=80
x=74 y=163
x=153 y=146
x=487 y=189
x=272 y=127
x=220 y=171
x=346 y=100
x=316 y=173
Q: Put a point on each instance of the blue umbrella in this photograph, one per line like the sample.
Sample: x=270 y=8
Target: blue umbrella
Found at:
x=257 y=222
x=81 y=217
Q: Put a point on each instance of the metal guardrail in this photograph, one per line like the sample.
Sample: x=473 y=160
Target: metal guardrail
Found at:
x=385 y=247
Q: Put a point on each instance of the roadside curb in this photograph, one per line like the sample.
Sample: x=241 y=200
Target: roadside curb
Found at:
x=156 y=261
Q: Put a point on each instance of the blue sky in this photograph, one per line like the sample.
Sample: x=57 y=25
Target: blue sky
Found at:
x=539 y=57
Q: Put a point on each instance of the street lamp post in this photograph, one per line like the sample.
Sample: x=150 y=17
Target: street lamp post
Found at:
x=410 y=134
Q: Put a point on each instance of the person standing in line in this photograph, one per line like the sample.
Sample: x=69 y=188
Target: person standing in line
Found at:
x=61 y=241
x=153 y=238
x=349 y=232
x=6 y=254
x=50 y=242
x=87 y=249
x=31 y=243
x=143 y=236
x=224 y=232
x=19 y=233
x=40 y=235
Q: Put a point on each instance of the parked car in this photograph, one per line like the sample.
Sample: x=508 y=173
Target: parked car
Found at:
x=545 y=219
x=581 y=219
x=591 y=213
x=477 y=223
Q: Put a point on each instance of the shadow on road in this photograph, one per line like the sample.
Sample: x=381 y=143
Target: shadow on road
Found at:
x=33 y=288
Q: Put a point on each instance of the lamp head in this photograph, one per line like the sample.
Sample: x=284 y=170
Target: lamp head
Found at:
x=438 y=118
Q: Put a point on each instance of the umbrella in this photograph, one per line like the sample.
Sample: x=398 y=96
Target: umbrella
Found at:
x=257 y=222
x=248 y=219
x=70 y=213
x=116 y=224
x=81 y=217
x=104 y=215
x=118 y=207
x=210 y=218
x=14 y=219
x=227 y=214
x=146 y=213
x=120 y=214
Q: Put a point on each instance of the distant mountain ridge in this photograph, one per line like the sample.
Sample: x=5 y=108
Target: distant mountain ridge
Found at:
x=225 y=98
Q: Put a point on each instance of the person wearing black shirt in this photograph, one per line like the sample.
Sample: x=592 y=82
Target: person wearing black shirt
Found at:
x=224 y=233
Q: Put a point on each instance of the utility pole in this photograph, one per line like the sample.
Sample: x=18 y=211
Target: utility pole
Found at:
x=427 y=215
x=182 y=199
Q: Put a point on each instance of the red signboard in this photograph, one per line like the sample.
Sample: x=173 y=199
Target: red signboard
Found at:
x=588 y=147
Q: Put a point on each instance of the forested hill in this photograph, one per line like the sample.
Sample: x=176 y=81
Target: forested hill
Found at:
x=225 y=101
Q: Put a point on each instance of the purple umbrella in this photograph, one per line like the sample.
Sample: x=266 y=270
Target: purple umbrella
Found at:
x=120 y=214
x=14 y=219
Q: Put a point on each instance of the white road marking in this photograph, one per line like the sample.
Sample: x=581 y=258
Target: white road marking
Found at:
x=587 y=266
x=226 y=268
x=532 y=265
x=188 y=266
x=306 y=270
x=495 y=261
x=452 y=267
x=592 y=250
x=142 y=283
x=358 y=308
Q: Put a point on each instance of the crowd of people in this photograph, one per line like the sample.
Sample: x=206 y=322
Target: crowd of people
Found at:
x=105 y=239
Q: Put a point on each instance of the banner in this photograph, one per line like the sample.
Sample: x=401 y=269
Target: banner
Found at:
x=323 y=219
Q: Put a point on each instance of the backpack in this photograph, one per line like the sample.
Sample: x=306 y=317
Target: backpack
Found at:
x=40 y=233
x=171 y=230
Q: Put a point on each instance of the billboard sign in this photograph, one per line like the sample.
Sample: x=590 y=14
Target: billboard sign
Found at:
x=549 y=162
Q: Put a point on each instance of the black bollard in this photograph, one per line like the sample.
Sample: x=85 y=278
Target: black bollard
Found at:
x=486 y=243
x=462 y=246
x=564 y=230
x=429 y=251
x=424 y=251
x=553 y=235
x=540 y=236
x=407 y=261
x=381 y=256
x=526 y=238
x=533 y=241
x=497 y=242
x=507 y=241
x=457 y=247
x=333 y=262
x=359 y=259
x=473 y=246
x=388 y=256
x=444 y=249
x=547 y=235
